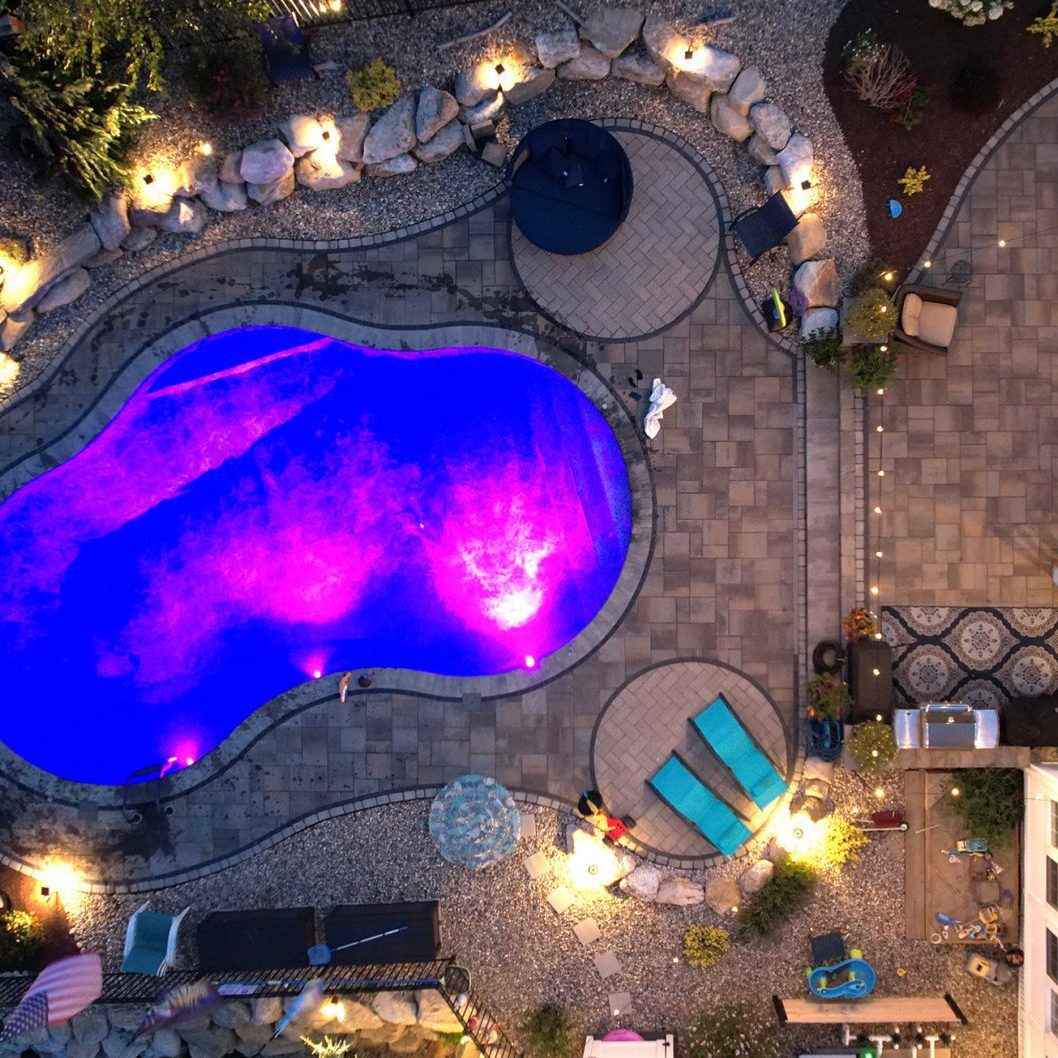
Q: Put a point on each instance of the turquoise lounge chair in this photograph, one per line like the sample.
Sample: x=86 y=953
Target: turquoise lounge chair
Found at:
x=730 y=741
x=150 y=942
x=683 y=791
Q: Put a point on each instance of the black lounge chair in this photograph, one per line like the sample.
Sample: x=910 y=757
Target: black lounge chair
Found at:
x=762 y=229
x=286 y=49
x=256 y=940
x=419 y=939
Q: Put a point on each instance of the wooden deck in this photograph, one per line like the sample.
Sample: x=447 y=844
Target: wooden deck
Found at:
x=891 y=1010
x=952 y=759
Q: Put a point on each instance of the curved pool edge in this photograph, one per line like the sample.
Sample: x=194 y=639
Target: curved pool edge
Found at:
x=115 y=391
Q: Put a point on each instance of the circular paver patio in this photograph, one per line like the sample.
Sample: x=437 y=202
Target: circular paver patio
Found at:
x=648 y=718
x=654 y=268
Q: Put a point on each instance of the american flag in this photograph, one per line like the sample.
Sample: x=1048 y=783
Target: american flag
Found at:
x=60 y=991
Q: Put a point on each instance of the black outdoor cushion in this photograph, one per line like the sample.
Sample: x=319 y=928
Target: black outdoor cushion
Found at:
x=554 y=164
x=256 y=940
x=419 y=942
x=1031 y=721
x=764 y=228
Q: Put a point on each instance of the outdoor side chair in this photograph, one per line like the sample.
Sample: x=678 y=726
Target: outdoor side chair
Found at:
x=762 y=229
x=150 y=942
x=926 y=317
x=286 y=49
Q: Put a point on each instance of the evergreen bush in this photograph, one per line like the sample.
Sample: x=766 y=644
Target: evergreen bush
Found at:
x=991 y=802
x=705 y=945
x=785 y=893
x=548 y=1031
x=21 y=939
x=373 y=86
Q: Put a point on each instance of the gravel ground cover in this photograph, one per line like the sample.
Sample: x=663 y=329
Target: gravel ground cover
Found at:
x=785 y=38
x=498 y=923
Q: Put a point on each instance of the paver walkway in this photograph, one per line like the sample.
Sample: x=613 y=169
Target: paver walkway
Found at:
x=655 y=266
x=970 y=438
x=722 y=581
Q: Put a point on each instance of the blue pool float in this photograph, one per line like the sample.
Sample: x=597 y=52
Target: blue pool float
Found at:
x=857 y=982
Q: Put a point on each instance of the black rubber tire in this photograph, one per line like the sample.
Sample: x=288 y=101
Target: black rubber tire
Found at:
x=828 y=657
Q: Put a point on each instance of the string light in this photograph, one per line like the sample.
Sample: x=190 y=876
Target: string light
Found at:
x=879 y=428
x=877 y=554
x=874 y=589
x=877 y=510
x=881 y=473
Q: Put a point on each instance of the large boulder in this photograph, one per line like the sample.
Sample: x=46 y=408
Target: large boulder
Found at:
x=358 y=1017
x=265 y=162
x=150 y=202
x=283 y=1045
x=442 y=144
x=67 y=290
x=185 y=217
x=535 y=81
x=399 y=166
x=303 y=133
x=693 y=92
x=139 y=239
x=104 y=258
x=266 y=194
x=110 y=220
x=233 y=1014
x=118 y=1043
x=196 y=175
x=679 y=891
x=771 y=124
x=393 y=134
x=773 y=181
x=227 y=198
x=474 y=85
x=712 y=66
x=612 y=29
x=229 y=168
x=727 y=120
x=74 y=1049
x=266 y=1011
x=352 y=131
x=211 y=1043
x=434 y=1013
x=248 y=1048
x=808 y=239
x=259 y=1034
x=664 y=45
x=384 y=1035
x=14 y=327
x=816 y=767
x=487 y=110
x=396 y=1008
x=759 y=151
x=722 y=895
x=818 y=320
x=639 y=68
x=753 y=879
x=819 y=284
x=90 y=1026
x=590 y=65
x=323 y=171
x=434 y=110
x=642 y=883
x=165 y=1044
x=748 y=88
x=795 y=159
x=23 y=289
x=555 y=47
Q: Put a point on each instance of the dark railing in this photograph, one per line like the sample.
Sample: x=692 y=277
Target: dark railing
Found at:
x=325 y=12
x=451 y=981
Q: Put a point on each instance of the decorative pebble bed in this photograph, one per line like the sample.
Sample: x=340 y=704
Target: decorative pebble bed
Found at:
x=500 y=925
x=758 y=38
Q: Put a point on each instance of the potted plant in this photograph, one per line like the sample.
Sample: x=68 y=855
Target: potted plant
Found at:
x=869 y=317
x=828 y=697
x=860 y=624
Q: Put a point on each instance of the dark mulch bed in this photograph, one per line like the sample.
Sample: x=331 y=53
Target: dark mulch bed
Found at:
x=946 y=139
x=24 y=893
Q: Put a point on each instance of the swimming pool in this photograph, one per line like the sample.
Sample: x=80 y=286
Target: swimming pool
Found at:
x=271 y=505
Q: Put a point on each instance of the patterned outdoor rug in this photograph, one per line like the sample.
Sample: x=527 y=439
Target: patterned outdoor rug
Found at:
x=984 y=655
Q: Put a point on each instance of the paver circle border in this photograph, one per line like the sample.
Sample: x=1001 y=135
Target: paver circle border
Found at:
x=793 y=762
x=723 y=212
x=193 y=327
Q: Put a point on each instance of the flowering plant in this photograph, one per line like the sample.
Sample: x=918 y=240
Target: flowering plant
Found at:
x=828 y=697
x=860 y=624
x=973 y=12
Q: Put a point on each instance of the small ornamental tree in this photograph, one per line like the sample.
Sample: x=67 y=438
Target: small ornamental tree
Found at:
x=548 y=1031
x=991 y=802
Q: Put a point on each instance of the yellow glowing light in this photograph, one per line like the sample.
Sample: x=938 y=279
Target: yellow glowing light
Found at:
x=502 y=73
x=874 y=589
x=61 y=878
x=878 y=554
x=877 y=635
x=885 y=348
x=877 y=510
x=927 y=264
x=592 y=864
x=335 y=1008
x=880 y=429
x=881 y=473
x=955 y=791
x=205 y=148
x=879 y=791
x=877 y=672
x=888 y=277
x=878 y=717
x=336 y=5
x=8 y=370
x=1002 y=242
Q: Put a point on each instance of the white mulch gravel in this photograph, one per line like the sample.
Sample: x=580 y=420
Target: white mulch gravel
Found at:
x=498 y=923
x=785 y=38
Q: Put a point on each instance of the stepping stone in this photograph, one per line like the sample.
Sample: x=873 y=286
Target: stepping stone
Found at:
x=587 y=931
x=620 y=1003
x=535 y=865
x=528 y=825
x=607 y=964
x=560 y=899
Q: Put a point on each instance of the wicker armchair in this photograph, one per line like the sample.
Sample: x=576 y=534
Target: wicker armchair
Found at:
x=926 y=317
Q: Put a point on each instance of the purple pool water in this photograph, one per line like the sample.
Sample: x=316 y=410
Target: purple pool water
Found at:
x=271 y=504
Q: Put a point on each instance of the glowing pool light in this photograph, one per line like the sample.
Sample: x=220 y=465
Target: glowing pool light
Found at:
x=270 y=506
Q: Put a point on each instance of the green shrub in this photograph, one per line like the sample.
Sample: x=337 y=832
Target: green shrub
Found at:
x=824 y=348
x=871 y=368
x=373 y=86
x=872 y=746
x=786 y=892
x=548 y=1032
x=828 y=697
x=872 y=316
x=227 y=82
x=842 y=842
x=991 y=802
x=21 y=939
x=910 y=114
x=705 y=945
x=733 y=1030
x=976 y=88
x=873 y=271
